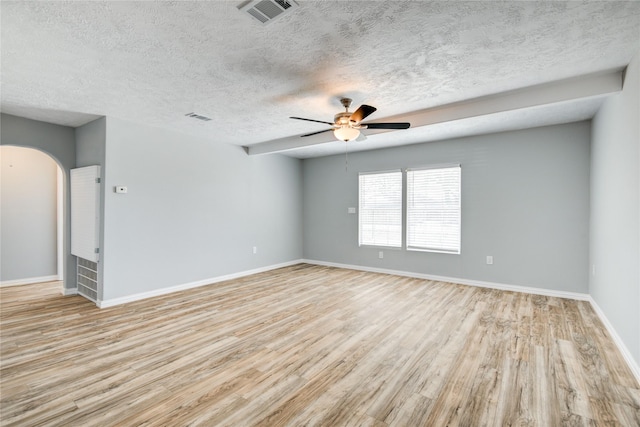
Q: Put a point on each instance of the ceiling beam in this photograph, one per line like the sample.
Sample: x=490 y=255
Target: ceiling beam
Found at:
x=581 y=87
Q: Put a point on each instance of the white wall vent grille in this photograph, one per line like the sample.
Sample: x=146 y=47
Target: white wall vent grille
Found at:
x=266 y=11
x=88 y=279
x=198 y=116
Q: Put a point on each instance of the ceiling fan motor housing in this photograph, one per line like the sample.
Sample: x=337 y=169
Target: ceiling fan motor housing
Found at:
x=342 y=119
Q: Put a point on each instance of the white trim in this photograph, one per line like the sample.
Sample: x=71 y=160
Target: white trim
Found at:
x=633 y=365
x=469 y=282
x=29 y=281
x=157 y=292
x=434 y=166
x=68 y=292
x=379 y=172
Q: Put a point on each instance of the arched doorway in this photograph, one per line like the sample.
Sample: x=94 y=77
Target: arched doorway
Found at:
x=31 y=223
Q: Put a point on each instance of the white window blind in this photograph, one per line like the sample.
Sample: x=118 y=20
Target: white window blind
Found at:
x=433 y=209
x=380 y=213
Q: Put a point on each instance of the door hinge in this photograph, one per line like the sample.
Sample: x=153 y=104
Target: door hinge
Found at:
x=97 y=180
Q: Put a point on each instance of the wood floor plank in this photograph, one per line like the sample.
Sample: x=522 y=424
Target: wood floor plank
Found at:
x=311 y=345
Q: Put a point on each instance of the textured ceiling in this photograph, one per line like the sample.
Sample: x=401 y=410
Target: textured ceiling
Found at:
x=153 y=62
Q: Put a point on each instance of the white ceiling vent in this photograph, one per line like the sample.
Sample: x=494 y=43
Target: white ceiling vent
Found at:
x=266 y=11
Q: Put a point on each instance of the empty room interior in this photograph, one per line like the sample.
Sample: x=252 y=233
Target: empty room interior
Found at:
x=336 y=213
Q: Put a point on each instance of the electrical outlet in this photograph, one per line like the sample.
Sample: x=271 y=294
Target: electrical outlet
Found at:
x=351 y=210
x=593 y=270
x=380 y=254
x=255 y=249
x=489 y=259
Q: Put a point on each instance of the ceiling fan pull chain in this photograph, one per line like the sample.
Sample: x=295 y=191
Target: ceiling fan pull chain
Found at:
x=346 y=157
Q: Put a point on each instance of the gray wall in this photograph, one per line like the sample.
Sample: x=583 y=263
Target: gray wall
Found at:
x=615 y=210
x=28 y=214
x=59 y=143
x=90 y=143
x=525 y=201
x=194 y=209
x=90 y=150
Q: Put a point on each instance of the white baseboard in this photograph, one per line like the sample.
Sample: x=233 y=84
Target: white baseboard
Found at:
x=157 y=292
x=29 y=281
x=633 y=365
x=69 y=291
x=478 y=283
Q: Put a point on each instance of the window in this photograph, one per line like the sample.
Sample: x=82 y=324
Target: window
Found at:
x=433 y=209
x=380 y=213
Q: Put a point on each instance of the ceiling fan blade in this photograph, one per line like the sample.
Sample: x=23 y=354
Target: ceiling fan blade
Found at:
x=311 y=120
x=397 y=125
x=315 y=133
x=361 y=113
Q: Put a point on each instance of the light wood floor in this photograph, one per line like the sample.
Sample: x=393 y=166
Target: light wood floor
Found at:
x=309 y=345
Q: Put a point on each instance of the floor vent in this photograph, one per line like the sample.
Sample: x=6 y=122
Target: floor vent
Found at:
x=266 y=11
x=198 y=116
x=88 y=279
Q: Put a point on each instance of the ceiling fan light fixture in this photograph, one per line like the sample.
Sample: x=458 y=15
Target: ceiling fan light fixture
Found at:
x=346 y=133
x=346 y=126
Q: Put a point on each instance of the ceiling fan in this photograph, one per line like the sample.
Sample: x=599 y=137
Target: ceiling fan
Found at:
x=346 y=126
